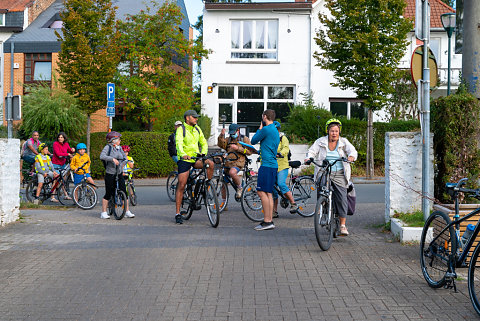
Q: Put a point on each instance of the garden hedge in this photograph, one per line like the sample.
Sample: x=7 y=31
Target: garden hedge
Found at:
x=148 y=149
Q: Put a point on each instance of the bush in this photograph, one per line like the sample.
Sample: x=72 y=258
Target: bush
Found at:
x=456 y=128
x=148 y=149
x=205 y=124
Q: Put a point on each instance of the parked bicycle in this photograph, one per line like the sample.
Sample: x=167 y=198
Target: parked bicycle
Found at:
x=325 y=219
x=130 y=186
x=85 y=194
x=303 y=192
x=222 y=179
x=199 y=190
x=443 y=249
x=117 y=204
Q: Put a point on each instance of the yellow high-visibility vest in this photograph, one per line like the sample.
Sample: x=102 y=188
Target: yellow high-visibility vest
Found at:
x=38 y=158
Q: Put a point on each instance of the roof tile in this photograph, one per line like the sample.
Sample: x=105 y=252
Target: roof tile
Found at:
x=437 y=8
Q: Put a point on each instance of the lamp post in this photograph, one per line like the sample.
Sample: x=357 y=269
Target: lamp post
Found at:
x=448 y=22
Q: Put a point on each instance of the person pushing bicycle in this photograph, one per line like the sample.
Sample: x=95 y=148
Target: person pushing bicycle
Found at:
x=188 y=138
x=331 y=148
x=231 y=144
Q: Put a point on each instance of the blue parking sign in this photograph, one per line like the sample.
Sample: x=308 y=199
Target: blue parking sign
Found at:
x=110 y=91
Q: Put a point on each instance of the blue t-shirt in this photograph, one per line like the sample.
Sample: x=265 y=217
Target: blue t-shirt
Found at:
x=333 y=155
x=269 y=139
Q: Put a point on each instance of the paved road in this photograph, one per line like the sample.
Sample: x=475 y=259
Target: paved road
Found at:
x=70 y=265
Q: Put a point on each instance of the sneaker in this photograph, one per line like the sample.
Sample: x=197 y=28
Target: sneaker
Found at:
x=53 y=199
x=265 y=226
x=129 y=214
x=343 y=230
x=293 y=208
x=275 y=214
x=36 y=201
x=238 y=194
x=104 y=215
x=178 y=219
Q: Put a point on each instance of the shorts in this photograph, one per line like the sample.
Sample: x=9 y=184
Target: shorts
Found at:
x=267 y=176
x=77 y=178
x=57 y=168
x=184 y=166
x=29 y=158
x=41 y=179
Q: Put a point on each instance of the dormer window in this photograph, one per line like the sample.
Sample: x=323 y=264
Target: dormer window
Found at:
x=57 y=24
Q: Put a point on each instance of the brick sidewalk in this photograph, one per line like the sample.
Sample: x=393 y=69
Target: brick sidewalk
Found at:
x=70 y=265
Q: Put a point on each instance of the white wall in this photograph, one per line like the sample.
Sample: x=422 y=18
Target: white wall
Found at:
x=9 y=180
x=403 y=172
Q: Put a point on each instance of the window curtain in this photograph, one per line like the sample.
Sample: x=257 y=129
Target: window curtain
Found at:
x=247 y=34
x=272 y=34
x=43 y=70
x=235 y=34
x=260 y=34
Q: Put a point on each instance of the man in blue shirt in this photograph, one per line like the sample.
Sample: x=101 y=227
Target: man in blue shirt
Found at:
x=268 y=137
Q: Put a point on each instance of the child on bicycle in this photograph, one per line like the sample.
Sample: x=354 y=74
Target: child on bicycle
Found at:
x=127 y=168
x=43 y=168
x=81 y=159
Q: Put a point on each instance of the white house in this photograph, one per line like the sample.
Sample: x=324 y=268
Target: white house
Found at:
x=262 y=57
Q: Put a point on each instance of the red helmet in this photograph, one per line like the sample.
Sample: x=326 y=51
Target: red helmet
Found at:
x=113 y=135
x=126 y=148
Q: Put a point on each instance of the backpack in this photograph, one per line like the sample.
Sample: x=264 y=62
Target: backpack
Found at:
x=289 y=152
x=172 y=145
x=108 y=154
x=24 y=147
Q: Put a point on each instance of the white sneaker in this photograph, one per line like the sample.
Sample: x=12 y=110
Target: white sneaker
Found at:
x=238 y=194
x=104 y=215
x=129 y=214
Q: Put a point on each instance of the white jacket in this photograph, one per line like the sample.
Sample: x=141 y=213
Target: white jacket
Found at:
x=319 y=152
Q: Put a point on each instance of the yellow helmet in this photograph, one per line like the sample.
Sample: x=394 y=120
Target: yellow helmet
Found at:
x=41 y=147
x=333 y=121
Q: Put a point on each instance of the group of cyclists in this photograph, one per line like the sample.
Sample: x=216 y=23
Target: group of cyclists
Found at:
x=274 y=148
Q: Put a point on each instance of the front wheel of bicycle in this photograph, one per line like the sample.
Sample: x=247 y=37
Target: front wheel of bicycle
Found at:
x=251 y=203
x=85 y=196
x=186 y=207
x=323 y=223
x=118 y=205
x=132 y=195
x=304 y=193
x=172 y=181
x=64 y=195
x=31 y=190
x=437 y=247
x=474 y=280
x=211 y=203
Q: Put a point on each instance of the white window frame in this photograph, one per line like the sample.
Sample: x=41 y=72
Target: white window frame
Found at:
x=254 y=39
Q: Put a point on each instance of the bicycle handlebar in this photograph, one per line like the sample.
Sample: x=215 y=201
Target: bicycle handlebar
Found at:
x=326 y=163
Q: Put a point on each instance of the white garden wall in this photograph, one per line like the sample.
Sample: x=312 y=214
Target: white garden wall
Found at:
x=9 y=180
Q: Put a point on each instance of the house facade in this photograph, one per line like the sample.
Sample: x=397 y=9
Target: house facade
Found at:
x=262 y=57
x=35 y=50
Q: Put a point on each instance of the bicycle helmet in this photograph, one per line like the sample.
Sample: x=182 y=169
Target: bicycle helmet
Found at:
x=277 y=124
x=41 y=147
x=332 y=121
x=126 y=148
x=113 y=135
x=81 y=146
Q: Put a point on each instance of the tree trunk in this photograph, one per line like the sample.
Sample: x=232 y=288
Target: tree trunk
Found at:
x=370 y=166
x=88 y=134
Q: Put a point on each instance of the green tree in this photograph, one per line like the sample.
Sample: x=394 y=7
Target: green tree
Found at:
x=362 y=42
x=403 y=102
x=51 y=110
x=154 y=46
x=89 y=55
x=450 y=3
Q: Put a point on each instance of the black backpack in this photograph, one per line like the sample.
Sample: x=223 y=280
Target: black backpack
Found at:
x=289 y=152
x=108 y=154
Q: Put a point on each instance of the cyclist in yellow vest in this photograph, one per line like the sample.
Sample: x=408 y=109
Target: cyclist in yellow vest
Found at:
x=43 y=168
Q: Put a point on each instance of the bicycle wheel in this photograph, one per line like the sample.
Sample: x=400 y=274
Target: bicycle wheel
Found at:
x=474 y=280
x=437 y=247
x=172 y=185
x=251 y=203
x=222 y=192
x=186 y=208
x=85 y=196
x=323 y=224
x=304 y=193
x=118 y=205
x=132 y=195
x=64 y=195
x=211 y=203
x=31 y=190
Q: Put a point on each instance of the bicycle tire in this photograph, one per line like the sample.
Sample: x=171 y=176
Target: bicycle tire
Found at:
x=474 y=291
x=186 y=207
x=64 y=195
x=118 y=205
x=132 y=195
x=211 y=203
x=223 y=194
x=323 y=225
x=251 y=203
x=172 y=185
x=437 y=252
x=31 y=190
x=85 y=196
x=304 y=193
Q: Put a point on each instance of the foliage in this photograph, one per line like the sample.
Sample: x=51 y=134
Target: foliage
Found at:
x=205 y=124
x=456 y=128
x=450 y=3
x=129 y=125
x=51 y=110
x=154 y=46
x=362 y=43
x=403 y=102
x=148 y=149
x=89 y=55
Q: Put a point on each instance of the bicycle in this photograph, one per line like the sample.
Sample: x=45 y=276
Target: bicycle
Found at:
x=117 y=202
x=325 y=219
x=57 y=186
x=85 y=194
x=200 y=190
x=172 y=182
x=442 y=250
x=130 y=186
x=222 y=180
x=303 y=190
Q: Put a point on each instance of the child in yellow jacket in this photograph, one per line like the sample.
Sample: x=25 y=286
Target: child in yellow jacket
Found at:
x=80 y=165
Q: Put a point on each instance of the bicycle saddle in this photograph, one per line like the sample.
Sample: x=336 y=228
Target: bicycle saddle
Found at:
x=294 y=164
